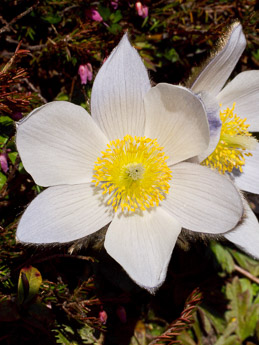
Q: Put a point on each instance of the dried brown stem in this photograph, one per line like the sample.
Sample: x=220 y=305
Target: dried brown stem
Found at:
x=7 y=27
x=26 y=46
x=246 y=274
x=34 y=89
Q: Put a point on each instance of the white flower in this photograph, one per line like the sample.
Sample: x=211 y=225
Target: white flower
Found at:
x=122 y=166
x=232 y=148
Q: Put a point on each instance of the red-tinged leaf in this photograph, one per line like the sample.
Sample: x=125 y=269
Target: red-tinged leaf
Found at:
x=29 y=283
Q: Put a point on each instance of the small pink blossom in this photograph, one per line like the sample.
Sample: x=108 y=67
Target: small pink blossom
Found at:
x=49 y=305
x=114 y=4
x=90 y=71
x=86 y=73
x=94 y=15
x=4 y=162
x=103 y=316
x=141 y=9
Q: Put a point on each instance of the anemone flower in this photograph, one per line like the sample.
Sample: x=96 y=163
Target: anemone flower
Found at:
x=123 y=167
x=233 y=113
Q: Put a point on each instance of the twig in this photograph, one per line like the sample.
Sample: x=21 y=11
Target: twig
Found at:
x=80 y=257
x=246 y=274
x=33 y=88
x=72 y=88
x=14 y=20
x=12 y=59
x=28 y=262
x=23 y=45
x=5 y=22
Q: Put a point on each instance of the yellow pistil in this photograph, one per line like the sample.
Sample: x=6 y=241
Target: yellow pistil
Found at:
x=133 y=171
x=234 y=144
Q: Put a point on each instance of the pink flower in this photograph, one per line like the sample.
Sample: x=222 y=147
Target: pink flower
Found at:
x=86 y=73
x=3 y=162
x=114 y=4
x=103 y=316
x=94 y=15
x=90 y=71
x=141 y=9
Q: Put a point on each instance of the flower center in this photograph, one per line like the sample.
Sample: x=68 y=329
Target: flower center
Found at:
x=133 y=171
x=234 y=144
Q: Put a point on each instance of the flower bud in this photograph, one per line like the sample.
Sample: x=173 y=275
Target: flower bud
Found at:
x=89 y=71
x=3 y=162
x=141 y=9
x=94 y=15
x=114 y=4
x=103 y=316
x=86 y=73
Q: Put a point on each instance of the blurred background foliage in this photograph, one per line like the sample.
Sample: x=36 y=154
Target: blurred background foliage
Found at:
x=76 y=294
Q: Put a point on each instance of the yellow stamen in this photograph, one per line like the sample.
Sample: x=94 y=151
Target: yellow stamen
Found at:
x=133 y=171
x=234 y=144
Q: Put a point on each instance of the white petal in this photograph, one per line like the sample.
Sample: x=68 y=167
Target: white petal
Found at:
x=59 y=143
x=63 y=214
x=216 y=72
x=246 y=235
x=118 y=90
x=248 y=180
x=177 y=119
x=244 y=91
x=212 y=110
x=142 y=244
x=202 y=200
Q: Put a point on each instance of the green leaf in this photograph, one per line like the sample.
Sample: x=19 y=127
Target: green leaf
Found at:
x=6 y=128
x=28 y=284
x=156 y=23
x=197 y=328
x=5 y=120
x=52 y=19
x=3 y=139
x=242 y=309
x=171 y=55
x=115 y=29
x=185 y=339
x=3 y=180
x=12 y=156
x=104 y=12
x=217 y=321
x=204 y=321
x=143 y=44
x=144 y=21
x=116 y=17
x=231 y=340
x=65 y=335
x=227 y=337
x=246 y=262
x=223 y=257
x=30 y=32
x=256 y=54
x=62 y=97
